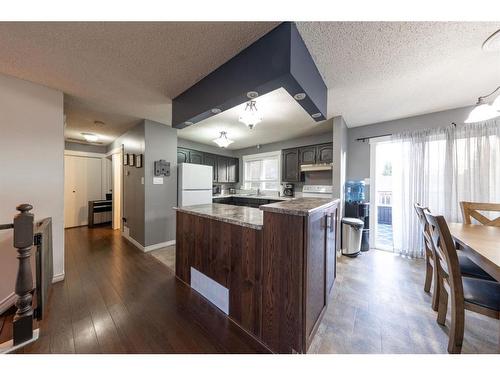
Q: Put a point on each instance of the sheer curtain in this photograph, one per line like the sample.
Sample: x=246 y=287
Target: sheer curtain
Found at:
x=439 y=168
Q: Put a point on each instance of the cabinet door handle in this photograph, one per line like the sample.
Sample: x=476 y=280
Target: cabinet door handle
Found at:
x=329 y=222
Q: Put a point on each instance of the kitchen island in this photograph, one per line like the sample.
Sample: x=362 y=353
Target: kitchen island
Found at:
x=270 y=269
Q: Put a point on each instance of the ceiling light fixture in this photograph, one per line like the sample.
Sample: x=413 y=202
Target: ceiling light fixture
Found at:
x=89 y=137
x=484 y=111
x=251 y=116
x=316 y=115
x=223 y=141
x=99 y=123
x=188 y=123
x=299 y=96
x=215 y=110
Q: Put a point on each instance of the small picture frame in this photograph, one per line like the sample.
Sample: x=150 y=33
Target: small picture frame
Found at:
x=131 y=160
x=138 y=161
x=125 y=159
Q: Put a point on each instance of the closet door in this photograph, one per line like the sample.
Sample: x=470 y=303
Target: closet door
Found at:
x=83 y=182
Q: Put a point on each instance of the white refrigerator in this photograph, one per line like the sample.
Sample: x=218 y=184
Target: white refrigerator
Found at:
x=195 y=184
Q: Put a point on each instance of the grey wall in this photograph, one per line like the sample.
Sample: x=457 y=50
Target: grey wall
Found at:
x=358 y=155
x=291 y=143
x=146 y=206
x=340 y=145
x=205 y=148
x=133 y=192
x=72 y=146
x=31 y=166
x=161 y=143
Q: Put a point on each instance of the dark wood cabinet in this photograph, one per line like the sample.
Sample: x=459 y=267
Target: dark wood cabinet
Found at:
x=232 y=170
x=209 y=159
x=195 y=157
x=307 y=155
x=222 y=165
x=300 y=265
x=290 y=170
x=225 y=169
x=324 y=153
x=182 y=155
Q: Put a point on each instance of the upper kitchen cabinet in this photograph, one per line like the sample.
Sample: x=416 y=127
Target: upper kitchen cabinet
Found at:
x=225 y=169
x=290 y=171
x=195 y=157
x=182 y=155
x=324 y=153
x=222 y=169
x=233 y=170
x=307 y=155
x=211 y=160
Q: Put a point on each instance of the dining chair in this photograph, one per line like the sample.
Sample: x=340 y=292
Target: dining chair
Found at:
x=430 y=269
x=471 y=210
x=467 y=266
x=478 y=295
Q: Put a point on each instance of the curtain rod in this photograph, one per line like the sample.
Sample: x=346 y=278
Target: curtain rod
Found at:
x=364 y=139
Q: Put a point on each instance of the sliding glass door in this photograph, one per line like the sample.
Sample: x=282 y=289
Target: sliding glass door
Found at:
x=381 y=193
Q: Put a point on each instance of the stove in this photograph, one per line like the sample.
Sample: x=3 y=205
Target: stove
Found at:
x=317 y=191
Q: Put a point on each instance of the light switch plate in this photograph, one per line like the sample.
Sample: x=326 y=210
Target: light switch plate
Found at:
x=157 y=180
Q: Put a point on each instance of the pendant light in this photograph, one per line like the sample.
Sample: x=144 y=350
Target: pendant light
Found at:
x=484 y=111
x=223 y=141
x=251 y=116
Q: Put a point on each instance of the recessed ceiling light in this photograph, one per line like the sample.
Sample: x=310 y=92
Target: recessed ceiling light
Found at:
x=215 y=110
x=99 y=123
x=316 y=115
x=188 y=123
x=493 y=42
x=252 y=94
x=299 y=96
x=89 y=137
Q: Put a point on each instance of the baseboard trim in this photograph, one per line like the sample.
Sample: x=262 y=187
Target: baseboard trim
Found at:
x=146 y=249
x=57 y=278
x=159 y=246
x=7 y=302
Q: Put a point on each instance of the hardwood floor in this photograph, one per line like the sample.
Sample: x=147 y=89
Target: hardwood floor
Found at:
x=116 y=299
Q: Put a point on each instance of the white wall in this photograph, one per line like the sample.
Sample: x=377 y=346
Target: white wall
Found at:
x=31 y=165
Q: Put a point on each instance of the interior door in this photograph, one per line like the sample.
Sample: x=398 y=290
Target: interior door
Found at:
x=82 y=183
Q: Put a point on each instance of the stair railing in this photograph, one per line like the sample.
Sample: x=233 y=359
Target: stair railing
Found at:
x=23 y=242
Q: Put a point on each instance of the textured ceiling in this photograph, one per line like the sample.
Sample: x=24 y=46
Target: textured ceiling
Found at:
x=380 y=71
x=375 y=71
x=121 y=69
x=282 y=118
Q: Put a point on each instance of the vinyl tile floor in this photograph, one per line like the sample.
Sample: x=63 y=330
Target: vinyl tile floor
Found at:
x=378 y=305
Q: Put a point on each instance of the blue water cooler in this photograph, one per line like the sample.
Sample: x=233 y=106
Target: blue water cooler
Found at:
x=357 y=207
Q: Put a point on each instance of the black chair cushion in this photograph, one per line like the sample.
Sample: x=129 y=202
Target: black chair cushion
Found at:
x=480 y=292
x=471 y=269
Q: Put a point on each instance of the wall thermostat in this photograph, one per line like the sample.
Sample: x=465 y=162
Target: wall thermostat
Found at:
x=162 y=168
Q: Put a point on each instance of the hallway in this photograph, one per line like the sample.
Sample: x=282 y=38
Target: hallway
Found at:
x=116 y=299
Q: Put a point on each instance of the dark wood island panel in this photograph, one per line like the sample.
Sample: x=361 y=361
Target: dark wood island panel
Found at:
x=231 y=255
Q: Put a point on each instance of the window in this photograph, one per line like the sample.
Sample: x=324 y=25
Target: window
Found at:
x=262 y=171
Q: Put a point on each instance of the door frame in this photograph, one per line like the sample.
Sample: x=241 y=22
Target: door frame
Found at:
x=373 y=182
x=117 y=154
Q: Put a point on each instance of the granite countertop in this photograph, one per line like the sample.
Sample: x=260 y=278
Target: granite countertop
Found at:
x=298 y=206
x=271 y=197
x=239 y=215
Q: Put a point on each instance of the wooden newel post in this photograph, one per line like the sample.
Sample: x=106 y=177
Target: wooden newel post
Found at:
x=23 y=242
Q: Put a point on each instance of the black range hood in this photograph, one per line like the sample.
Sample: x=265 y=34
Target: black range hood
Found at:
x=278 y=59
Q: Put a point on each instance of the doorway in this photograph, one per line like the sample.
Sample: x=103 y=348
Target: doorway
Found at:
x=381 y=193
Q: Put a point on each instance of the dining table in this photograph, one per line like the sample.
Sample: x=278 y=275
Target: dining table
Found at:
x=481 y=243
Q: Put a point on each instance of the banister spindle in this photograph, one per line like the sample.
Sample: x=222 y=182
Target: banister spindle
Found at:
x=23 y=242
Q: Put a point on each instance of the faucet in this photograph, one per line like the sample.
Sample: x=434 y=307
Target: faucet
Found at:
x=258 y=191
